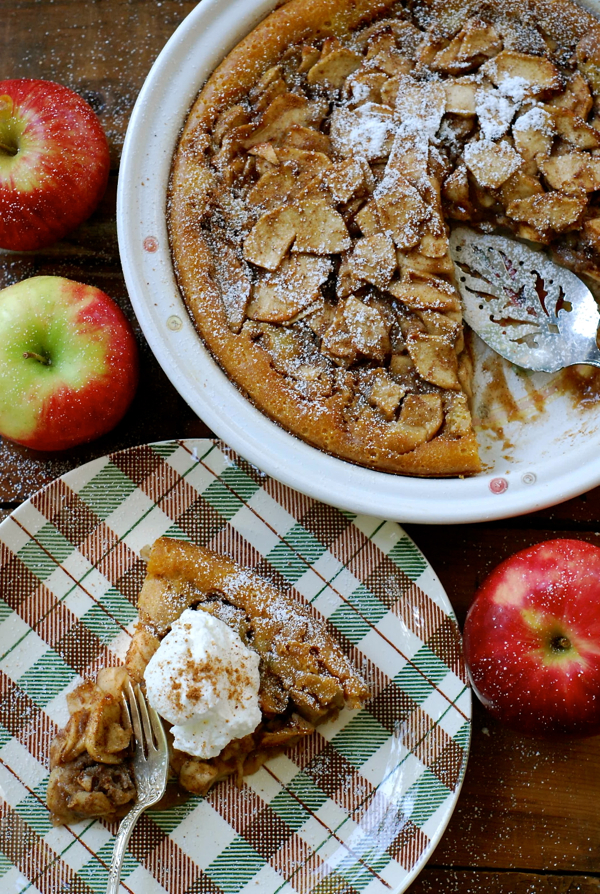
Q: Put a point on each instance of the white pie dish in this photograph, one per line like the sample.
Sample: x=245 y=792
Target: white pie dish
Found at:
x=552 y=456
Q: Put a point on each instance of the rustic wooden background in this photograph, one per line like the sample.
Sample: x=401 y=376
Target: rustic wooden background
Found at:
x=528 y=817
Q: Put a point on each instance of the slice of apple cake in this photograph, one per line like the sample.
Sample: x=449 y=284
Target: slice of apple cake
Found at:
x=303 y=679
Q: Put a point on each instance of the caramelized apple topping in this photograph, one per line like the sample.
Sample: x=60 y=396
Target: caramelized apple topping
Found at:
x=335 y=179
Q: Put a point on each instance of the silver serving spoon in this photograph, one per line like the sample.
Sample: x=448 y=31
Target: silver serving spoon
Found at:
x=529 y=310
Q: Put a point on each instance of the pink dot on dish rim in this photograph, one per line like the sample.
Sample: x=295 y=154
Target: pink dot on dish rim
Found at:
x=498 y=485
x=150 y=243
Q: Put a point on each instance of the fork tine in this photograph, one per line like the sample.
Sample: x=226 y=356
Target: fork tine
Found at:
x=158 y=729
x=134 y=713
x=143 y=708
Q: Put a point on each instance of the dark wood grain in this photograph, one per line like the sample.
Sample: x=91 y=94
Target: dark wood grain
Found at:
x=465 y=881
x=528 y=817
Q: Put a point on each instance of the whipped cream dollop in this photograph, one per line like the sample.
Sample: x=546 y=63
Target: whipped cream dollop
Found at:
x=204 y=681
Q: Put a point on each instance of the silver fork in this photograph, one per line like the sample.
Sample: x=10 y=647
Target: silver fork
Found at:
x=150 y=767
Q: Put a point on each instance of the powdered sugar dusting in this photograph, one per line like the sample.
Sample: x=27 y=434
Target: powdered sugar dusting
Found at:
x=365 y=132
x=514 y=87
x=537 y=119
x=420 y=106
x=495 y=112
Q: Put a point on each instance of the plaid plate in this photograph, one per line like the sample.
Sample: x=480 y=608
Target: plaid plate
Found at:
x=356 y=808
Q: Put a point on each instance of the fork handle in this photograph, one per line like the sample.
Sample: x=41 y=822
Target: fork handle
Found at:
x=121 y=841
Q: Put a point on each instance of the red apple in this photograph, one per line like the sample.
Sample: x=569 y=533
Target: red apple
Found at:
x=532 y=640
x=54 y=162
x=68 y=363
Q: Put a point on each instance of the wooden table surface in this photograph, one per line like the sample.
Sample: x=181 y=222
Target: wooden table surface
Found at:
x=528 y=817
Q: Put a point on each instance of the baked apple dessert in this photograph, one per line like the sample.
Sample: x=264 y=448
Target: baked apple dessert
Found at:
x=312 y=190
x=238 y=669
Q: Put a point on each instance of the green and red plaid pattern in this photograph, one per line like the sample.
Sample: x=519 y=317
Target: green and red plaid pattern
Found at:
x=356 y=809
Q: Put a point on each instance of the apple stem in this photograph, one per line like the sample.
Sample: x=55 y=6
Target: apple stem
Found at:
x=45 y=360
x=561 y=643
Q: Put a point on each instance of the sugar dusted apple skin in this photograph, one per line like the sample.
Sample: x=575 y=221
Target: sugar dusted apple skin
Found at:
x=68 y=363
x=532 y=640
x=54 y=162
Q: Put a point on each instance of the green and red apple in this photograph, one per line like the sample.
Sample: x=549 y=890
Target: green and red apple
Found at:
x=54 y=162
x=532 y=640
x=68 y=363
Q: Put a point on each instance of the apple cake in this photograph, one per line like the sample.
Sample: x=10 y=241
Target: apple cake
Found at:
x=312 y=189
x=304 y=680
